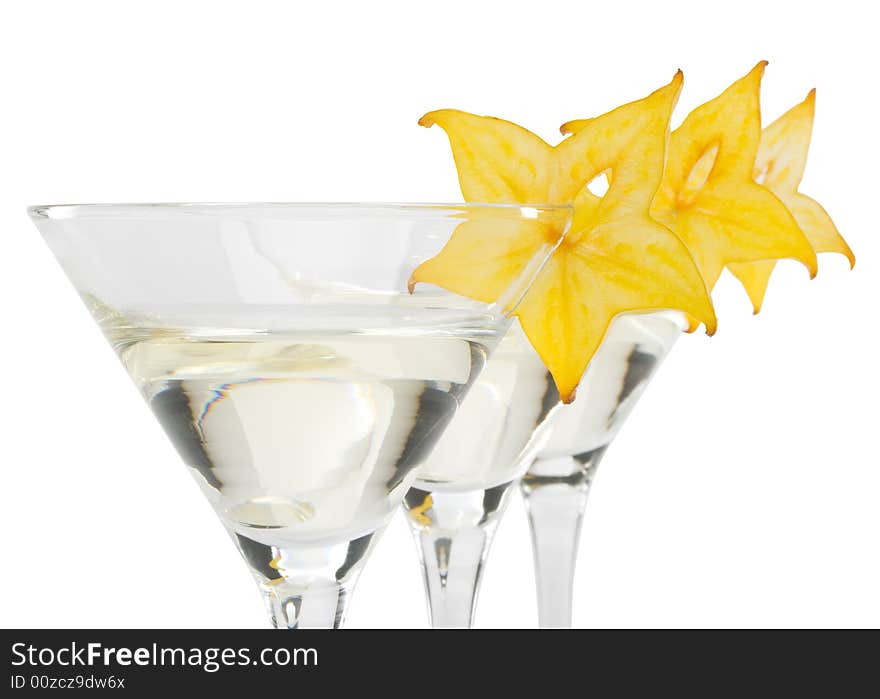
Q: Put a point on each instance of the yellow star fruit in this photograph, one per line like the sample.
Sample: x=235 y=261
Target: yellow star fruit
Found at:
x=780 y=164
x=614 y=259
x=708 y=196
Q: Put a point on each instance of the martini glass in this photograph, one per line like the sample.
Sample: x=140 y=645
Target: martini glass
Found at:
x=557 y=483
x=511 y=422
x=298 y=379
x=461 y=490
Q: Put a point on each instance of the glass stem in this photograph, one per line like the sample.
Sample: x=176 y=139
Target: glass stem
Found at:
x=317 y=606
x=308 y=585
x=453 y=532
x=555 y=493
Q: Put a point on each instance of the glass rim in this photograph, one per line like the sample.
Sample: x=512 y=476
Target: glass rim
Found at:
x=108 y=210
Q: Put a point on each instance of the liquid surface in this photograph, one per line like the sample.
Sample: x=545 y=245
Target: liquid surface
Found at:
x=613 y=383
x=512 y=414
x=299 y=437
x=500 y=426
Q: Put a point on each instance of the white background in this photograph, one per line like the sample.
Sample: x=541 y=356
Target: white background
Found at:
x=745 y=489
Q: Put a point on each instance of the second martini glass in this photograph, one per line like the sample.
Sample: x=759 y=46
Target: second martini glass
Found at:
x=513 y=421
x=280 y=350
x=461 y=490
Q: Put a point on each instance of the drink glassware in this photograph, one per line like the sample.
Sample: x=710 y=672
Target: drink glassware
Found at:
x=460 y=492
x=278 y=346
x=557 y=484
x=512 y=427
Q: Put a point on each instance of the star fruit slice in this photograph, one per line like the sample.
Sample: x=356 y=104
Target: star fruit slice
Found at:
x=614 y=259
x=708 y=196
x=782 y=157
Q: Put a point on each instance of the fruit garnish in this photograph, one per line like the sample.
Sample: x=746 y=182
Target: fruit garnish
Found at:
x=488 y=258
x=708 y=196
x=782 y=157
x=614 y=259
